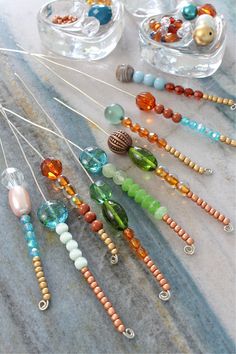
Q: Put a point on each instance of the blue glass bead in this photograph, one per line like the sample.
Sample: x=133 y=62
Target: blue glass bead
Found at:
x=114 y=113
x=201 y=128
x=32 y=244
x=138 y=77
x=34 y=252
x=25 y=219
x=189 y=12
x=159 y=84
x=101 y=12
x=185 y=121
x=215 y=136
x=208 y=132
x=93 y=159
x=28 y=227
x=30 y=235
x=193 y=124
x=148 y=80
x=51 y=213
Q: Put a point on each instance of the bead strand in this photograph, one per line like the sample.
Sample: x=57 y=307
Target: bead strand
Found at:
x=136 y=245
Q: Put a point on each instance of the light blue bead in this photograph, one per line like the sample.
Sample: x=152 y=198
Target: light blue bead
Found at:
x=159 y=84
x=102 y=13
x=28 y=227
x=34 y=252
x=138 y=77
x=201 y=128
x=32 y=244
x=208 y=132
x=30 y=235
x=93 y=159
x=215 y=136
x=185 y=121
x=193 y=124
x=25 y=219
x=51 y=213
x=114 y=113
x=149 y=79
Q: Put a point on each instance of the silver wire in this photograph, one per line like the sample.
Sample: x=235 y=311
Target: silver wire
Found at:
x=3 y=153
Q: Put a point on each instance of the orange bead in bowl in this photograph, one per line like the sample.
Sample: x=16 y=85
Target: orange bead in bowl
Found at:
x=207 y=9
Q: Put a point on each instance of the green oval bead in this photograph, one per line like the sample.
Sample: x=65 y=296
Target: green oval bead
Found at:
x=126 y=184
x=115 y=214
x=147 y=201
x=154 y=206
x=140 y=195
x=143 y=158
x=100 y=191
x=133 y=190
x=160 y=213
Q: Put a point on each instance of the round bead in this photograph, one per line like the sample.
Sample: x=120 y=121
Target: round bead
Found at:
x=119 y=177
x=176 y=117
x=75 y=253
x=62 y=227
x=114 y=113
x=119 y=142
x=160 y=213
x=12 y=177
x=115 y=214
x=19 y=200
x=93 y=159
x=109 y=170
x=188 y=92
x=51 y=168
x=167 y=113
x=145 y=101
x=51 y=213
x=100 y=191
x=143 y=158
x=65 y=237
x=189 y=12
x=207 y=9
x=159 y=108
x=83 y=209
x=24 y=219
x=90 y=26
x=169 y=87
x=89 y=217
x=203 y=35
x=71 y=245
x=124 y=73
x=80 y=263
x=101 y=12
x=159 y=84
x=96 y=225
x=148 y=80
x=138 y=77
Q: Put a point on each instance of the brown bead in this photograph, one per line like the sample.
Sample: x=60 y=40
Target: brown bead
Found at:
x=154 y=25
x=159 y=108
x=135 y=128
x=119 y=142
x=143 y=133
x=170 y=38
x=135 y=243
x=141 y=252
x=198 y=95
x=96 y=225
x=121 y=328
x=188 y=92
x=83 y=209
x=128 y=233
x=127 y=122
x=167 y=113
x=207 y=9
x=176 y=117
x=51 y=168
x=179 y=90
x=162 y=142
x=89 y=217
x=156 y=36
x=169 y=87
x=145 y=101
x=152 y=137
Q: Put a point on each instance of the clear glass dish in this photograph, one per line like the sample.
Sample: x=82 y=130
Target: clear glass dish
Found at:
x=145 y=8
x=73 y=44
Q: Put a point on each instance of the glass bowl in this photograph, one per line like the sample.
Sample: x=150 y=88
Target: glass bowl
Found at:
x=145 y=8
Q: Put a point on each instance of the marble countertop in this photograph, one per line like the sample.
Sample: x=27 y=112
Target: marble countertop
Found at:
x=200 y=317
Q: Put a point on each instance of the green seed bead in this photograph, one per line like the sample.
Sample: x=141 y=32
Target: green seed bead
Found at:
x=147 y=201
x=126 y=184
x=100 y=192
x=119 y=177
x=109 y=170
x=154 y=206
x=115 y=214
x=140 y=195
x=133 y=190
x=143 y=158
x=160 y=213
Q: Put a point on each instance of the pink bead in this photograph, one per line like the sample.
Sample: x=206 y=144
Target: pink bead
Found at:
x=19 y=201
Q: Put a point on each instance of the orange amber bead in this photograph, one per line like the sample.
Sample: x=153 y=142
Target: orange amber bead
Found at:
x=143 y=132
x=134 y=243
x=183 y=189
x=141 y=252
x=207 y=9
x=171 y=38
x=152 y=137
x=161 y=142
x=154 y=25
x=135 y=128
x=126 y=122
x=128 y=233
x=145 y=101
x=63 y=181
x=161 y=172
x=75 y=201
x=172 y=180
x=156 y=36
x=51 y=168
x=70 y=189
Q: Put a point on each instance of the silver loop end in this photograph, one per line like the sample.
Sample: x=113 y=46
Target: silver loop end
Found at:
x=208 y=171
x=229 y=228
x=233 y=107
x=114 y=259
x=129 y=333
x=189 y=250
x=164 y=295
x=43 y=305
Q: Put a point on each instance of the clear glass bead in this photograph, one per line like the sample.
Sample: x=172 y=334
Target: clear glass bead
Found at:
x=184 y=30
x=51 y=213
x=90 y=26
x=119 y=177
x=12 y=177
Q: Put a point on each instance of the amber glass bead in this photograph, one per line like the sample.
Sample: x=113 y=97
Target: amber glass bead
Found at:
x=152 y=137
x=156 y=36
x=172 y=180
x=183 y=189
x=63 y=181
x=51 y=168
x=141 y=252
x=135 y=128
x=170 y=38
x=161 y=172
x=145 y=101
x=70 y=189
x=75 y=201
x=134 y=243
x=169 y=87
x=154 y=25
x=207 y=9
x=143 y=132
x=188 y=92
x=126 y=122
x=161 y=142
x=128 y=233
x=179 y=90
x=178 y=23
x=159 y=108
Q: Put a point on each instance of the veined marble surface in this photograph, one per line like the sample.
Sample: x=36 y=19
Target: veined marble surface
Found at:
x=200 y=317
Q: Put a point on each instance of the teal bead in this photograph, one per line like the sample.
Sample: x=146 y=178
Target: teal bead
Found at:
x=160 y=212
x=189 y=12
x=159 y=84
x=100 y=192
x=148 y=80
x=201 y=128
x=215 y=136
x=114 y=113
x=193 y=124
x=30 y=235
x=185 y=121
x=102 y=13
x=133 y=190
x=138 y=77
x=154 y=206
x=51 y=213
x=147 y=201
x=93 y=159
x=28 y=227
x=24 y=219
x=32 y=244
x=139 y=196
x=34 y=252
x=126 y=184
x=115 y=214
x=143 y=158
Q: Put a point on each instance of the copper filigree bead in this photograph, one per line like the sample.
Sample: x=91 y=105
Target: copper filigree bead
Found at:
x=119 y=142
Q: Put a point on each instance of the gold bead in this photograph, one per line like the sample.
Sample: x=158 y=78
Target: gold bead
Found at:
x=222 y=138
x=203 y=35
x=210 y=98
x=177 y=153
x=225 y=101
x=201 y=170
x=111 y=246
x=37 y=264
x=228 y=141
x=182 y=157
x=100 y=232
x=219 y=100
x=47 y=296
x=168 y=147
x=196 y=167
x=186 y=160
x=114 y=251
x=233 y=142
x=231 y=102
x=104 y=236
x=38 y=269
x=107 y=241
x=40 y=280
x=191 y=164
x=214 y=98
x=36 y=258
x=205 y=96
x=40 y=274
x=172 y=150
x=45 y=291
x=43 y=285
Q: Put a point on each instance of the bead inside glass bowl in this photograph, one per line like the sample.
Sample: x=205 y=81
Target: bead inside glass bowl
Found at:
x=194 y=49
x=75 y=29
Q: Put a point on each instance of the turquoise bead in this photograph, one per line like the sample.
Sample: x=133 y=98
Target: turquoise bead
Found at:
x=185 y=121
x=93 y=159
x=215 y=136
x=189 y=12
x=32 y=243
x=114 y=113
x=51 y=213
x=24 y=219
x=138 y=77
x=100 y=192
x=102 y=13
x=201 y=128
x=34 y=252
x=159 y=84
x=193 y=124
x=28 y=227
x=148 y=80
x=30 y=235
x=160 y=212
x=133 y=190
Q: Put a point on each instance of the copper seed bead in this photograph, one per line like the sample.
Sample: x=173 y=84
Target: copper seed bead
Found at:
x=146 y=259
x=188 y=92
x=190 y=241
x=114 y=317
x=97 y=290
x=173 y=224
x=121 y=328
x=181 y=232
x=185 y=236
x=135 y=128
x=216 y=214
x=100 y=295
x=159 y=108
x=93 y=285
x=43 y=285
x=119 y=142
x=37 y=264
x=176 y=117
x=198 y=95
x=90 y=279
x=199 y=201
x=212 y=211
x=96 y=225
x=194 y=197
x=155 y=274
x=83 y=209
x=128 y=233
x=159 y=277
x=127 y=122
x=179 y=90
x=150 y=264
x=103 y=300
x=152 y=137
x=169 y=87
x=226 y=221
x=87 y=274
x=89 y=217
x=203 y=205
x=111 y=311
x=163 y=282
x=84 y=270
x=117 y=322
x=143 y=133
x=107 y=305
x=168 y=113
x=166 y=287
x=177 y=228
x=221 y=217
x=165 y=217
x=153 y=268
x=208 y=208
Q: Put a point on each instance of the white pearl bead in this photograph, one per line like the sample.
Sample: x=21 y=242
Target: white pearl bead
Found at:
x=205 y=20
x=65 y=237
x=71 y=245
x=75 y=253
x=62 y=227
x=80 y=263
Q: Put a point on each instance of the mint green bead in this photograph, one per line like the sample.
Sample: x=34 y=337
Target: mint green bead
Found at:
x=133 y=190
x=160 y=213
x=108 y=170
x=114 y=113
x=147 y=201
x=154 y=206
x=139 y=196
x=126 y=184
x=100 y=192
x=119 y=177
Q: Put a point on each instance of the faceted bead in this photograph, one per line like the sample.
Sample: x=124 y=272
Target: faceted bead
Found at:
x=154 y=206
x=188 y=92
x=201 y=128
x=62 y=181
x=156 y=36
x=34 y=252
x=52 y=213
x=193 y=124
x=32 y=244
x=25 y=219
x=102 y=13
x=178 y=23
x=152 y=137
x=30 y=235
x=109 y=170
x=183 y=188
x=172 y=180
x=160 y=213
x=161 y=172
x=28 y=227
x=159 y=108
x=115 y=214
x=185 y=121
x=128 y=233
x=135 y=127
x=51 y=168
x=100 y=191
x=138 y=77
x=127 y=184
x=172 y=29
x=75 y=201
x=133 y=190
x=207 y=9
x=114 y=113
x=12 y=177
x=189 y=12
x=145 y=101
x=127 y=122
x=141 y=252
x=93 y=159
x=143 y=133
x=170 y=38
x=69 y=190
x=134 y=243
x=140 y=195
x=119 y=177
x=215 y=136
x=149 y=80
x=143 y=158
x=147 y=201
x=161 y=142
x=159 y=84
x=154 y=25
x=90 y=26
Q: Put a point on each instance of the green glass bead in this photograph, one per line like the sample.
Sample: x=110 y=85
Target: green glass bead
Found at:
x=114 y=113
x=115 y=214
x=154 y=206
x=143 y=158
x=100 y=192
x=140 y=195
x=133 y=190
x=126 y=184
x=160 y=212
x=147 y=201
